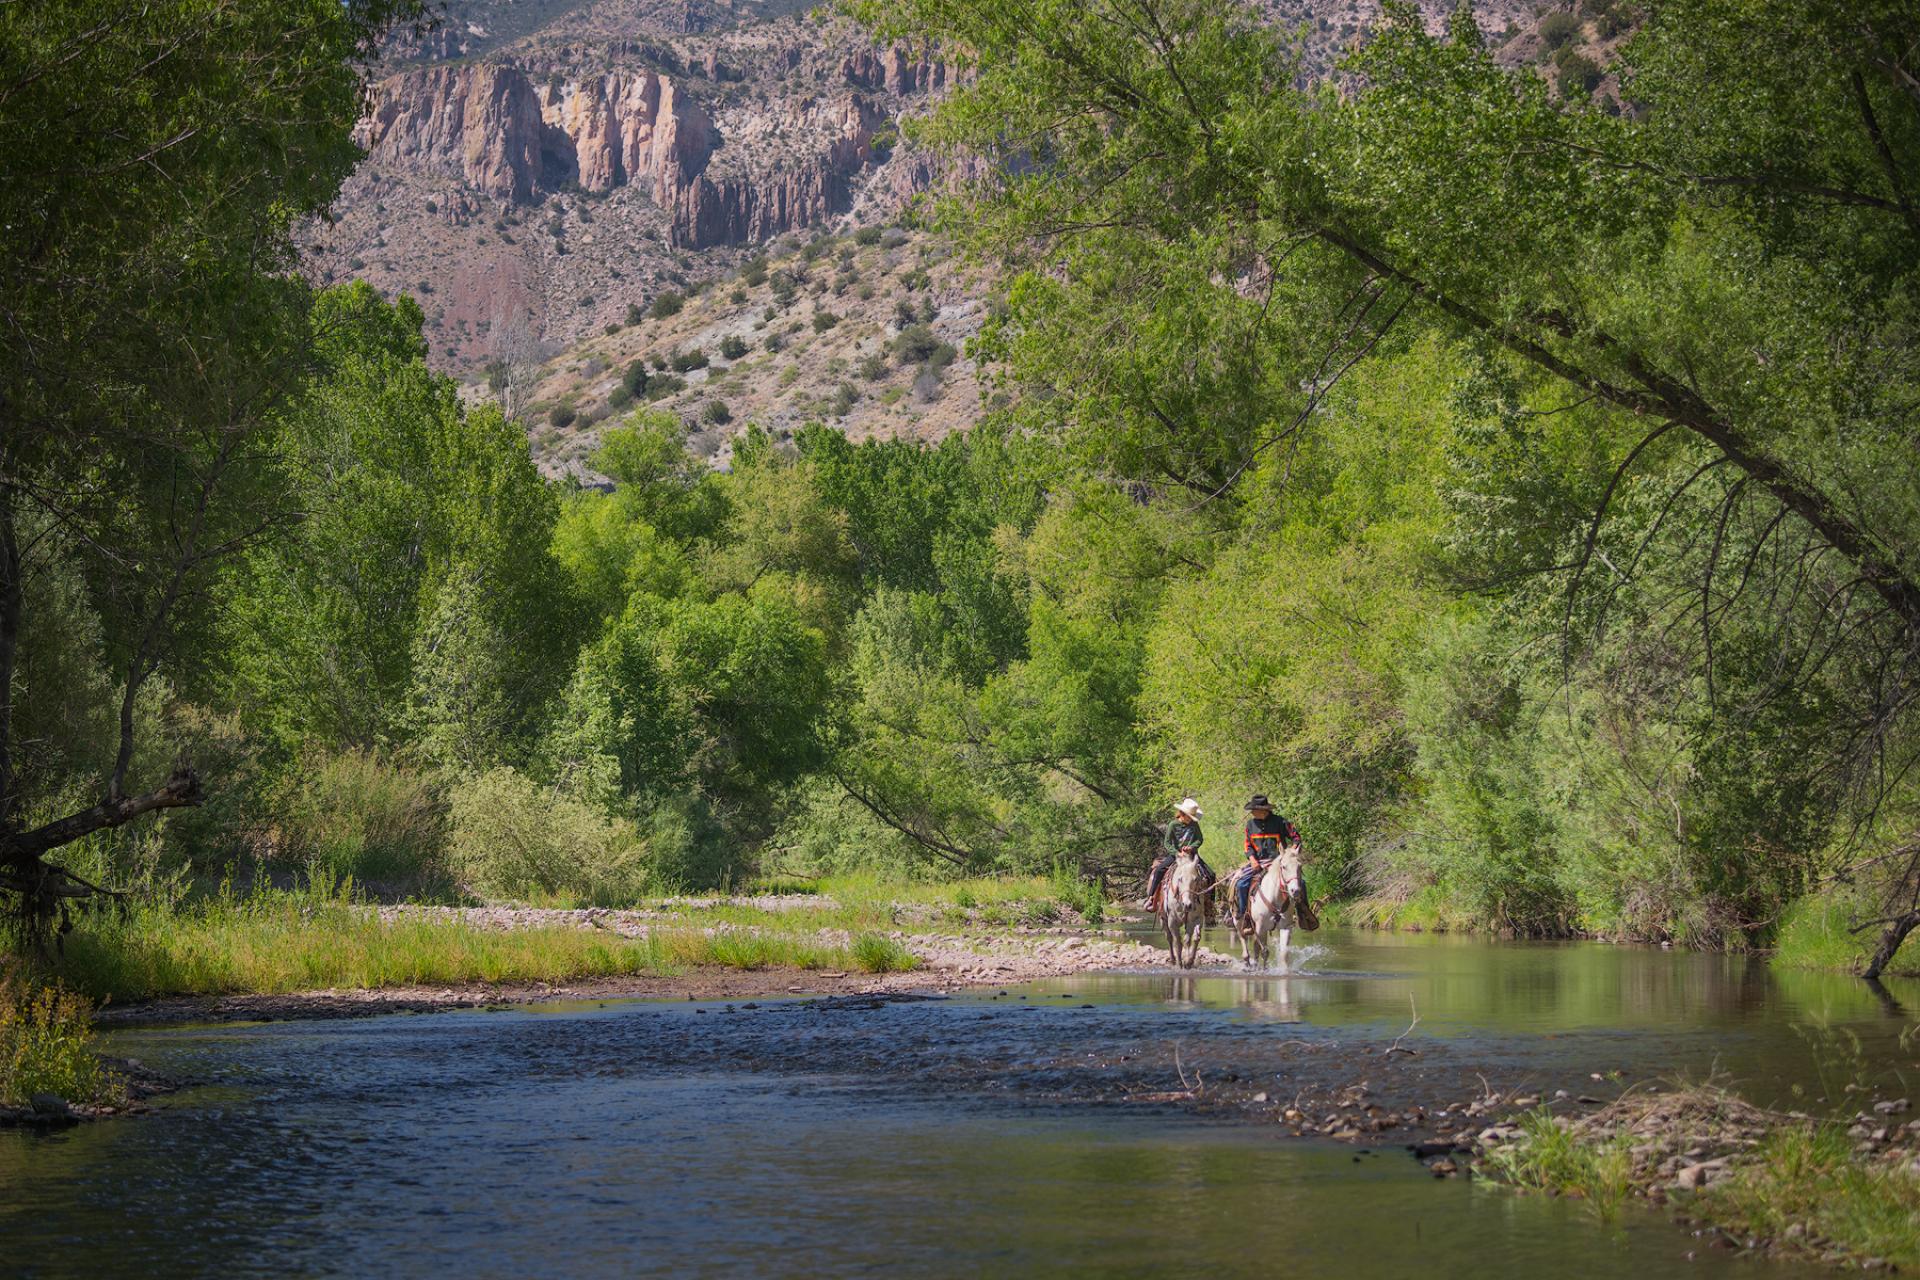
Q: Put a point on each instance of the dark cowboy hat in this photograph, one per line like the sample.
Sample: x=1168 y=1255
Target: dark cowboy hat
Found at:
x=1259 y=802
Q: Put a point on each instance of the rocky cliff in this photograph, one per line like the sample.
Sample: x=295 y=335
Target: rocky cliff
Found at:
x=517 y=133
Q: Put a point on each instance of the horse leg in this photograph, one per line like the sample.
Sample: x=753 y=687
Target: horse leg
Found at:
x=1281 y=936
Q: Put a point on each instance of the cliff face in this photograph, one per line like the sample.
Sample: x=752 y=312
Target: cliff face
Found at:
x=513 y=134
x=481 y=124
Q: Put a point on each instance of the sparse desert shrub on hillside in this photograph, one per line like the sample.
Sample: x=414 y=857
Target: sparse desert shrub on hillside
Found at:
x=867 y=236
x=666 y=304
x=737 y=297
x=716 y=413
x=1578 y=74
x=610 y=330
x=687 y=361
x=892 y=238
x=845 y=396
x=562 y=415
x=916 y=279
x=904 y=314
x=1557 y=29
x=634 y=380
x=588 y=299
x=824 y=320
x=619 y=398
x=663 y=385
x=634 y=314
x=774 y=342
x=874 y=367
x=733 y=346
x=915 y=344
x=755 y=272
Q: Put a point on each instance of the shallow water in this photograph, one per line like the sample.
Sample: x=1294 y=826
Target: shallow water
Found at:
x=969 y=1136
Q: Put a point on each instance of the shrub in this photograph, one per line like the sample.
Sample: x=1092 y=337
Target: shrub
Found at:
x=513 y=838
x=561 y=415
x=619 y=398
x=824 y=320
x=915 y=344
x=610 y=330
x=755 y=272
x=1558 y=28
x=587 y=299
x=352 y=815
x=666 y=304
x=46 y=1043
x=659 y=361
x=868 y=236
x=664 y=385
x=844 y=398
x=716 y=412
x=686 y=361
x=774 y=342
x=634 y=314
x=1578 y=75
x=733 y=346
x=634 y=380
x=874 y=367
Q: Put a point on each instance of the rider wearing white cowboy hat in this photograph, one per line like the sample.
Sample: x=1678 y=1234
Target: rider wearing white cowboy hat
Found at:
x=1183 y=835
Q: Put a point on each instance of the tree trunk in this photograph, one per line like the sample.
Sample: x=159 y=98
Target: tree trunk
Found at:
x=1890 y=939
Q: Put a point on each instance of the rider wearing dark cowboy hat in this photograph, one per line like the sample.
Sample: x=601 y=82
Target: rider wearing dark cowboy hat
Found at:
x=1267 y=833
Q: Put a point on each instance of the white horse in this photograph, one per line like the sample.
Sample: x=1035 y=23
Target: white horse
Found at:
x=1182 y=911
x=1273 y=906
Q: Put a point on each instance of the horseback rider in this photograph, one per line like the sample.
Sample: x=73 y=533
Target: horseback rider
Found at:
x=1183 y=835
x=1267 y=834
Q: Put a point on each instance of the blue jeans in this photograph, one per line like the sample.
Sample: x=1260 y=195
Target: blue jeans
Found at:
x=1243 y=886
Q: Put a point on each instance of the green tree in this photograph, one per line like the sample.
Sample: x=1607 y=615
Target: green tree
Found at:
x=159 y=160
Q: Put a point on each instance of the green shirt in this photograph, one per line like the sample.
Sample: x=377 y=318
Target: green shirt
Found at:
x=1182 y=837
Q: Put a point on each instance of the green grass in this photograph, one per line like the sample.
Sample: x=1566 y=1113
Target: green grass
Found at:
x=1816 y=933
x=1547 y=1157
x=1813 y=1180
x=874 y=954
x=283 y=942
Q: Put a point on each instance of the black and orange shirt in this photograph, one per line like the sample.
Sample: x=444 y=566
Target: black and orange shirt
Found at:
x=1266 y=835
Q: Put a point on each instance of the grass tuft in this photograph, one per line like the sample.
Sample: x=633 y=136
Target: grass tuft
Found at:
x=1550 y=1157
x=1808 y=1186
x=874 y=954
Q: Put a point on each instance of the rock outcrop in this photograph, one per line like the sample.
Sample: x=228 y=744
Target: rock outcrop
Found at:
x=481 y=124
x=515 y=134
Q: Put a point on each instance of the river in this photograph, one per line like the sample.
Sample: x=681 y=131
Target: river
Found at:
x=1025 y=1130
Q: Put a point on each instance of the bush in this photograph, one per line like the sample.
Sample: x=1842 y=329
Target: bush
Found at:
x=868 y=236
x=1558 y=28
x=874 y=367
x=351 y=815
x=1578 y=75
x=619 y=398
x=844 y=398
x=774 y=342
x=733 y=346
x=666 y=304
x=915 y=344
x=46 y=1043
x=686 y=361
x=663 y=385
x=562 y=415
x=755 y=272
x=634 y=380
x=513 y=838
x=716 y=413
x=824 y=320
x=634 y=314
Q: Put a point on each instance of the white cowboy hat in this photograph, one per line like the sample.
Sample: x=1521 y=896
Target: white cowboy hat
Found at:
x=1189 y=806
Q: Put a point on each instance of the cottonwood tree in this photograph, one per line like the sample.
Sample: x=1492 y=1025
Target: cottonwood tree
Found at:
x=151 y=327
x=1730 y=265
